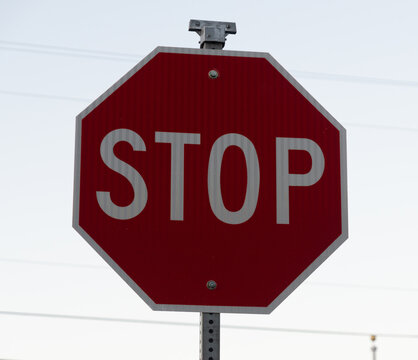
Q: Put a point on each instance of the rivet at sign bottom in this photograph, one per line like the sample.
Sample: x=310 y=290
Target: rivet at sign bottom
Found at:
x=211 y=285
x=213 y=74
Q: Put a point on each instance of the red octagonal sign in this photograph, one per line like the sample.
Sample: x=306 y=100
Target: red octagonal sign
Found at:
x=210 y=181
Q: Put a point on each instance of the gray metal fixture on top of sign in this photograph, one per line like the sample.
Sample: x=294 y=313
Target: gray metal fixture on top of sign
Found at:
x=212 y=33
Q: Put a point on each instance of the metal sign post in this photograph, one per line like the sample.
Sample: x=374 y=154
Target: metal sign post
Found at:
x=212 y=36
x=210 y=336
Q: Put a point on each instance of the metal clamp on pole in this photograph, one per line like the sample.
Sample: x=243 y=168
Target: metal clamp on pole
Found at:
x=212 y=33
x=210 y=324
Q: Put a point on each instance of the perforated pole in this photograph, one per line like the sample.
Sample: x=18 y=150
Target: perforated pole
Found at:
x=210 y=328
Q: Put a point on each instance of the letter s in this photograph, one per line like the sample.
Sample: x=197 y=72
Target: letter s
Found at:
x=137 y=182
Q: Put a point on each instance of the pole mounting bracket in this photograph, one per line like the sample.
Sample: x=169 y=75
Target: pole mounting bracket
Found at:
x=212 y=33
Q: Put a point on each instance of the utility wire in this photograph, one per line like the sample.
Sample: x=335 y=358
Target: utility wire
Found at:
x=366 y=287
x=355 y=78
x=314 y=283
x=67 y=54
x=44 y=96
x=129 y=57
x=86 y=100
x=69 y=49
x=384 y=127
x=52 y=263
x=177 y=323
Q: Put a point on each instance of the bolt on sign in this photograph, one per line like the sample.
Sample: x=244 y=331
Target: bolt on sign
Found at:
x=210 y=180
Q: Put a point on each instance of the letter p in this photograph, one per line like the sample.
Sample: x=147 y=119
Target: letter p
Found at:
x=284 y=180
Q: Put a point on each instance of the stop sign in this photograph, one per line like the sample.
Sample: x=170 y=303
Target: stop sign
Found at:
x=210 y=181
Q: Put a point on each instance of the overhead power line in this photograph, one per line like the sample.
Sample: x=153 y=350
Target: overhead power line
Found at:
x=130 y=57
x=67 y=49
x=52 y=263
x=314 y=283
x=225 y=326
x=384 y=127
x=66 y=54
x=366 y=287
x=354 y=78
x=44 y=96
x=86 y=100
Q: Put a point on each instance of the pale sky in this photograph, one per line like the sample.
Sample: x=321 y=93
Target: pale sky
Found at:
x=357 y=58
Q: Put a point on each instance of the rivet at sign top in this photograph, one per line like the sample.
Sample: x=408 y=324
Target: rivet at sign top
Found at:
x=213 y=74
x=211 y=285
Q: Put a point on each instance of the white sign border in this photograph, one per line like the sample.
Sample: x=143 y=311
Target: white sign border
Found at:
x=200 y=308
